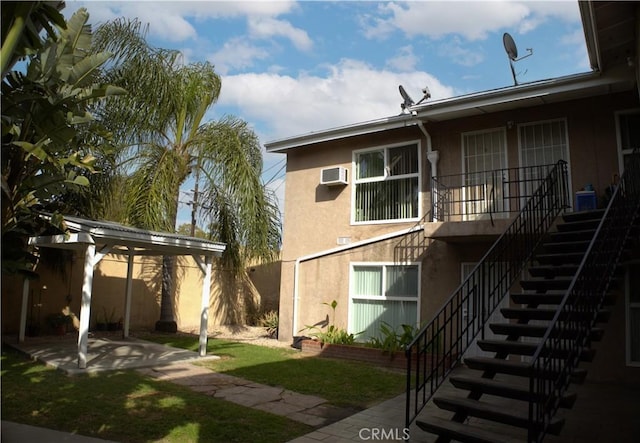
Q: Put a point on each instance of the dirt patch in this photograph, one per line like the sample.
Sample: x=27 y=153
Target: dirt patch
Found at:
x=254 y=335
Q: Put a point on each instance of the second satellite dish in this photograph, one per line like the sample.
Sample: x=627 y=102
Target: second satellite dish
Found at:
x=512 y=52
x=510 y=46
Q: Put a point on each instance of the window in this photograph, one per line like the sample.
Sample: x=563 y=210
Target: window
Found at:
x=633 y=314
x=383 y=293
x=482 y=153
x=628 y=135
x=541 y=143
x=386 y=184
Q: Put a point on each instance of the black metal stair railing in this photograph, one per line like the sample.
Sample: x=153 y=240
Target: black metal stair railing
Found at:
x=413 y=245
x=572 y=324
x=442 y=342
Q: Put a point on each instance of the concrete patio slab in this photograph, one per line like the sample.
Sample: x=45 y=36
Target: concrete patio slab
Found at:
x=104 y=353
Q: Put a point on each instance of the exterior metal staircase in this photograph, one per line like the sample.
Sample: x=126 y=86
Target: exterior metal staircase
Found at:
x=558 y=276
x=542 y=290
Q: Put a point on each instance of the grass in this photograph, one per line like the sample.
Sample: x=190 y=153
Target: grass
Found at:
x=126 y=406
x=341 y=383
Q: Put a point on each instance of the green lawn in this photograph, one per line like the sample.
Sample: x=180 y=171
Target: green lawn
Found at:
x=341 y=382
x=126 y=406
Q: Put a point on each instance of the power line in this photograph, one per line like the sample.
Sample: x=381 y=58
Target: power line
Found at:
x=276 y=174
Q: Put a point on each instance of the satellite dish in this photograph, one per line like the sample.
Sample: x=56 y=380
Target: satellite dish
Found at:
x=408 y=101
x=512 y=52
x=510 y=46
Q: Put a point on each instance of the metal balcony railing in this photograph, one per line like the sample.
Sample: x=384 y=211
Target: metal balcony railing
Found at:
x=486 y=194
x=570 y=330
x=442 y=342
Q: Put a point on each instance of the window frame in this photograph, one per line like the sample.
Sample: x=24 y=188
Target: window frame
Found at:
x=627 y=314
x=383 y=297
x=502 y=132
x=385 y=177
x=565 y=121
x=622 y=151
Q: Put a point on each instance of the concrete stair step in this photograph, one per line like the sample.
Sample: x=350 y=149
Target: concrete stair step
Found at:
x=545 y=284
x=458 y=431
x=509 y=347
x=488 y=411
x=518 y=368
x=503 y=389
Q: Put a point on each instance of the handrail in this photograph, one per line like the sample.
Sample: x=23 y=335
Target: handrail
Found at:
x=442 y=342
x=458 y=196
x=576 y=315
x=414 y=241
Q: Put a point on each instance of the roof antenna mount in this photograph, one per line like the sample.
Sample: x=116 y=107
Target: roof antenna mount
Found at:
x=408 y=101
x=512 y=52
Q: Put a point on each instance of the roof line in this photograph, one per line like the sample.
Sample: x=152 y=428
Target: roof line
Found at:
x=426 y=110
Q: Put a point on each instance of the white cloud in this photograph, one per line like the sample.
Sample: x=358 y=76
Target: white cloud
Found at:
x=351 y=92
x=405 y=61
x=236 y=53
x=168 y=19
x=437 y=19
x=266 y=27
x=473 y=20
x=455 y=51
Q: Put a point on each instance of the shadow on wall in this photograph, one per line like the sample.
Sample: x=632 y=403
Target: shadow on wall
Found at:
x=266 y=281
x=234 y=300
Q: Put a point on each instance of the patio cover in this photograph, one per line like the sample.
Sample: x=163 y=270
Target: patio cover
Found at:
x=99 y=238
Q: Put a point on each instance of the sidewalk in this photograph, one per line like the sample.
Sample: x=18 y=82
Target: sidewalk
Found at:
x=308 y=409
x=19 y=433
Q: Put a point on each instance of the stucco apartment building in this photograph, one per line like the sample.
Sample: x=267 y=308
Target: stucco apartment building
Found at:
x=388 y=216
x=412 y=219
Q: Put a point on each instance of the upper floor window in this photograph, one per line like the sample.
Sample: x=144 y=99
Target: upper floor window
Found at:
x=628 y=135
x=386 y=183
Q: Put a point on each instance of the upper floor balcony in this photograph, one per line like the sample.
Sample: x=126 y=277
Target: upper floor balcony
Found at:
x=481 y=202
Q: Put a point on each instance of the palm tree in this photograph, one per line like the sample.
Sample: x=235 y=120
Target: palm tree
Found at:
x=165 y=140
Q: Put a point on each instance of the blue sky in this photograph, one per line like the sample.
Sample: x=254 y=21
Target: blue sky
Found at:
x=289 y=68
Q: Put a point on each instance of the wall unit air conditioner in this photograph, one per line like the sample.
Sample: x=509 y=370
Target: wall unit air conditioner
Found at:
x=333 y=176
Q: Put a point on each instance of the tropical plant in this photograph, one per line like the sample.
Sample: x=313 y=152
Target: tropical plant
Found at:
x=165 y=139
x=269 y=320
x=45 y=120
x=390 y=340
x=333 y=334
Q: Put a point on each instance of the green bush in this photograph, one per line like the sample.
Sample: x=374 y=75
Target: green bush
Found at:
x=333 y=335
x=392 y=341
x=270 y=321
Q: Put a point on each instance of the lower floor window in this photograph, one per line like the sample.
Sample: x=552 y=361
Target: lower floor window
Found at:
x=383 y=293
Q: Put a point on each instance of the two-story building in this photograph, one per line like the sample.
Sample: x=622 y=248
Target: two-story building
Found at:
x=389 y=218
x=357 y=195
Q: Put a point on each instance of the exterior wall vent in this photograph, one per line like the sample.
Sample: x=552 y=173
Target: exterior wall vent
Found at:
x=333 y=176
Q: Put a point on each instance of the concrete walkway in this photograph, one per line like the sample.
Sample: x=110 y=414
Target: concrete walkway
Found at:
x=308 y=409
x=603 y=411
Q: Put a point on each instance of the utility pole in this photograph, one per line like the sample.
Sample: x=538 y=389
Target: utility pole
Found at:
x=194 y=207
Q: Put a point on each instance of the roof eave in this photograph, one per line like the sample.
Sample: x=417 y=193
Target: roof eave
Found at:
x=383 y=124
x=510 y=98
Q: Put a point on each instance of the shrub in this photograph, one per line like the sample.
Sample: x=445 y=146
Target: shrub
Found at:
x=333 y=334
x=270 y=320
x=392 y=341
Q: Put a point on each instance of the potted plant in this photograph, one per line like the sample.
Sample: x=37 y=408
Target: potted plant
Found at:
x=269 y=321
x=58 y=322
x=112 y=324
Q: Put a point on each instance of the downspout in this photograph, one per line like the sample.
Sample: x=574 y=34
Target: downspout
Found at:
x=296 y=267
x=433 y=157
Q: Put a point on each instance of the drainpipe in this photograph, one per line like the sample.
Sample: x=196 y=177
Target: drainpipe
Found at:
x=433 y=157
x=296 y=267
